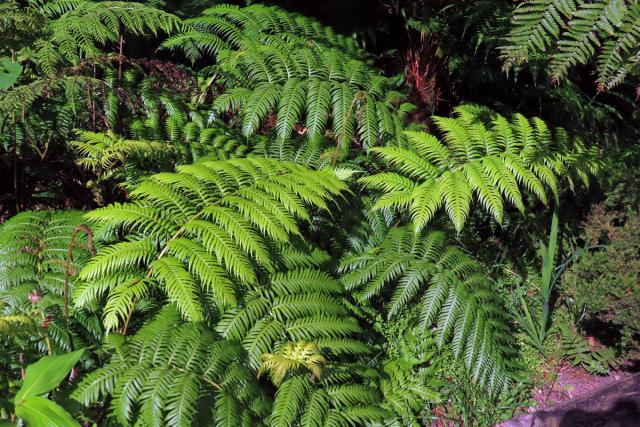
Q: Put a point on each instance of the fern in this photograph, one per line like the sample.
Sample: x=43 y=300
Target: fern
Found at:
x=340 y=398
x=200 y=233
x=580 y=352
x=451 y=291
x=78 y=30
x=492 y=163
x=40 y=255
x=34 y=254
x=608 y=30
x=110 y=157
x=406 y=392
x=301 y=305
x=290 y=358
x=277 y=62
x=169 y=371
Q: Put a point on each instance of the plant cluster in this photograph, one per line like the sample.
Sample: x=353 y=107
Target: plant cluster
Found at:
x=604 y=284
x=239 y=216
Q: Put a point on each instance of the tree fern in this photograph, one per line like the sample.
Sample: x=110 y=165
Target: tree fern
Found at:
x=420 y=267
x=80 y=29
x=491 y=162
x=608 y=30
x=268 y=64
x=407 y=392
x=200 y=233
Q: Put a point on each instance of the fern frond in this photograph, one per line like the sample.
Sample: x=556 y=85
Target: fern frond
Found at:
x=422 y=268
x=607 y=30
x=224 y=221
x=489 y=164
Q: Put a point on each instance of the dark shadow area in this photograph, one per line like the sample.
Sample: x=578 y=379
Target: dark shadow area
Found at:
x=606 y=333
x=625 y=413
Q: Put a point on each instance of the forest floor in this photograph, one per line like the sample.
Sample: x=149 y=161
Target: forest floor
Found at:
x=576 y=398
x=567 y=382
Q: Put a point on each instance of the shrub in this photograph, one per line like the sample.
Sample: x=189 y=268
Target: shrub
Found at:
x=605 y=282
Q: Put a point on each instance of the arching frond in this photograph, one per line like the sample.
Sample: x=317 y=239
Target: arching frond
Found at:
x=607 y=30
x=77 y=30
x=490 y=162
x=274 y=62
x=200 y=233
x=421 y=268
x=167 y=369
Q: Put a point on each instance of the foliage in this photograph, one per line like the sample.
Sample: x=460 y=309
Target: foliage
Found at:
x=110 y=157
x=200 y=233
x=9 y=73
x=536 y=327
x=275 y=62
x=575 y=32
x=260 y=239
x=75 y=30
x=490 y=163
x=40 y=378
x=159 y=375
x=605 y=283
x=41 y=254
x=452 y=292
x=474 y=408
x=581 y=352
x=411 y=385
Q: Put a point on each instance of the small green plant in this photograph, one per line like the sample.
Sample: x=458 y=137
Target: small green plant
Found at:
x=40 y=378
x=537 y=327
x=584 y=352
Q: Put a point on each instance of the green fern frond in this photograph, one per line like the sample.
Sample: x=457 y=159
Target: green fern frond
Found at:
x=488 y=162
x=422 y=268
x=165 y=370
x=77 y=30
x=275 y=62
x=226 y=212
x=299 y=305
x=575 y=32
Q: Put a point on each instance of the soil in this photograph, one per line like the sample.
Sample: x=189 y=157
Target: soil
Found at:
x=567 y=382
x=586 y=400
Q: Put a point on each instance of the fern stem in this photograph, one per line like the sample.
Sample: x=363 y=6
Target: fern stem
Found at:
x=162 y=253
x=68 y=269
x=344 y=129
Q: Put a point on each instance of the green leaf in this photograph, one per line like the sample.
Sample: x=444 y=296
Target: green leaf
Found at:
x=42 y=376
x=9 y=73
x=40 y=412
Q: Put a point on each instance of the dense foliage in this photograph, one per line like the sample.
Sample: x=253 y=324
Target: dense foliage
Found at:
x=604 y=282
x=295 y=214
